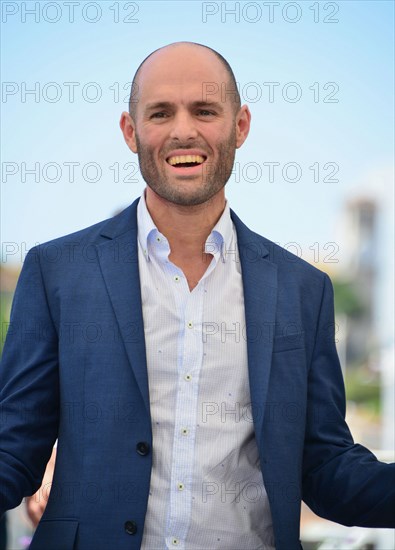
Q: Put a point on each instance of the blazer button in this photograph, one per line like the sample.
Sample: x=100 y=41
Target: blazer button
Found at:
x=131 y=527
x=142 y=448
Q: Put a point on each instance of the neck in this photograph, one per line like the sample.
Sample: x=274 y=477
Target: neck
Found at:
x=185 y=227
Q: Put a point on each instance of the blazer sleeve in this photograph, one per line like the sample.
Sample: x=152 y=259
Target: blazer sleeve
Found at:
x=342 y=481
x=29 y=388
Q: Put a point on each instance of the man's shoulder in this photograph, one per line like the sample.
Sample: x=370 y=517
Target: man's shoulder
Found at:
x=94 y=234
x=81 y=248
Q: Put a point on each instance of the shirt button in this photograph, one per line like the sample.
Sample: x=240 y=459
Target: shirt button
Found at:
x=180 y=486
x=142 y=448
x=190 y=324
x=184 y=431
x=174 y=542
x=188 y=377
x=158 y=239
x=130 y=527
x=176 y=278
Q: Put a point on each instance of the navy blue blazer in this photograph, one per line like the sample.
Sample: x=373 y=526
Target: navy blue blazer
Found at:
x=74 y=367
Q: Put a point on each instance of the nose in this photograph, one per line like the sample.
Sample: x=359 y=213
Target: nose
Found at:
x=184 y=127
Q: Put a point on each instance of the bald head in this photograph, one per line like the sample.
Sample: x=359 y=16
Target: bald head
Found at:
x=185 y=52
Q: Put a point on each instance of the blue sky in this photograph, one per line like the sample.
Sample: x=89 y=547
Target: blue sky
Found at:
x=344 y=118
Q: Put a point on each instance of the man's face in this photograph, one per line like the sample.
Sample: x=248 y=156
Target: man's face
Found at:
x=185 y=138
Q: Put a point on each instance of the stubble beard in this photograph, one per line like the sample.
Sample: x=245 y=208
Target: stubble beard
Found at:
x=213 y=179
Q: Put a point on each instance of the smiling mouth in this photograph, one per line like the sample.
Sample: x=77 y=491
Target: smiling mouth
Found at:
x=185 y=161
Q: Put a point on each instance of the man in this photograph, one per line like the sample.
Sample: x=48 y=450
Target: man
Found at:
x=186 y=365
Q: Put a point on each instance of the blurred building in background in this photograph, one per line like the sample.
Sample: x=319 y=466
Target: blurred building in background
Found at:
x=360 y=271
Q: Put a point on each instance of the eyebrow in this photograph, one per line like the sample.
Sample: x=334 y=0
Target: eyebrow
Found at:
x=193 y=104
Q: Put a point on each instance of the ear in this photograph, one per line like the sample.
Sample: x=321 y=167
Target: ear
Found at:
x=243 y=121
x=127 y=126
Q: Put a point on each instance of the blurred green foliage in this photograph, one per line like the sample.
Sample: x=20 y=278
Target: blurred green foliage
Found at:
x=5 y=304
x=363 y=387
x=347 y=300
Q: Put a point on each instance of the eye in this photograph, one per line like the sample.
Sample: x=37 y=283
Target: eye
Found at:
x=204 y=112
x=160 y=114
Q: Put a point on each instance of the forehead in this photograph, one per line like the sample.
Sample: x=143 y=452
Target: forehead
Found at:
x=181 y=74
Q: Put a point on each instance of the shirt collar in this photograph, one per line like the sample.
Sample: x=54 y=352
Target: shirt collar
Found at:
x=220 y=239
x=218 y=242
x=145 y=226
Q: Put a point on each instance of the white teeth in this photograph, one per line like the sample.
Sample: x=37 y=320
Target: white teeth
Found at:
x=185 y=158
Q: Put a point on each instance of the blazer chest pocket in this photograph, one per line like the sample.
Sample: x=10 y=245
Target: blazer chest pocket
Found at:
x=55 y=533
x=288 y=342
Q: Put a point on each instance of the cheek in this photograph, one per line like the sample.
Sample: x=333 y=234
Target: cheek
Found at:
x=220 y=134
x=150 y=136
x=154 y=142
x=213 y=136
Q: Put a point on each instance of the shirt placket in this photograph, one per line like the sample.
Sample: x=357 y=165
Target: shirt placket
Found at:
x=190 y=358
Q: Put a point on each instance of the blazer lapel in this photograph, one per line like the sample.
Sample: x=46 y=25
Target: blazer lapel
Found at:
x=260 y=298
x=118 y=258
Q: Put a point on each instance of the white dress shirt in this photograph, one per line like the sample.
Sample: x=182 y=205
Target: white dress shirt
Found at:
x=206 y=488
